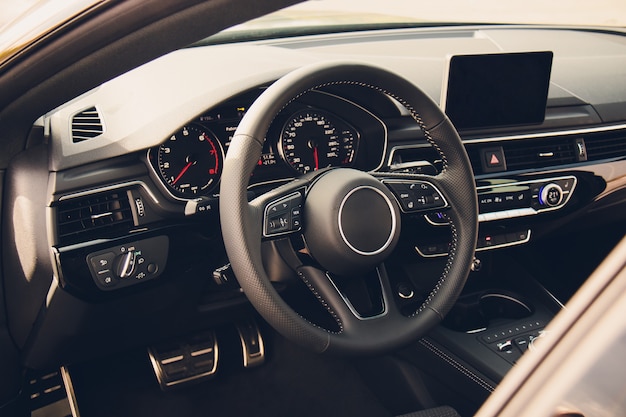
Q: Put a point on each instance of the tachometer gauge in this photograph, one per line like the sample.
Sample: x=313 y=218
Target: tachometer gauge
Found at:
x=190 y=162
x=311 y=140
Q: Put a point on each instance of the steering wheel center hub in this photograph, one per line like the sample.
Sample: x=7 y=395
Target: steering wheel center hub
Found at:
x=352 y=221
x=367 y=221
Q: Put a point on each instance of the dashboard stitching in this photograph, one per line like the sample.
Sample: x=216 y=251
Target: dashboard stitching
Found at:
x=458 y=366
x=324 y=303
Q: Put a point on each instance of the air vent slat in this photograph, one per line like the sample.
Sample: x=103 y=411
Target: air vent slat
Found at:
x=86 y=125
x=545 y=152
x=93 y=216
x=539 y=153
x=552 y=151
x=606 y=146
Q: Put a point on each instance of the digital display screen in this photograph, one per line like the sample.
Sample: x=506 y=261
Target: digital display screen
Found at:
x=494 y=90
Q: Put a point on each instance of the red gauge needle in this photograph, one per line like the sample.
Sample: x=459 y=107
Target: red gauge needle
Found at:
x=182 y=172
x=316 y=158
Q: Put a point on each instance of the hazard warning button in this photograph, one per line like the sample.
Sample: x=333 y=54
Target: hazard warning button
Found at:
x=493 y=159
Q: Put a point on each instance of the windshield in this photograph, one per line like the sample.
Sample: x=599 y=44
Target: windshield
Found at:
x=322 y=16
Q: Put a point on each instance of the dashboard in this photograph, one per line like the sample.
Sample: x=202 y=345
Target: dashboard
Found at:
x=133 y=170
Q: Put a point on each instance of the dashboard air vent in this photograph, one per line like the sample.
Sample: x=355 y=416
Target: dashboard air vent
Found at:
x=93 y=216
x=606 y=145
x=532 y=153
x=86 y=125
x=539 y=153
x=528 y=153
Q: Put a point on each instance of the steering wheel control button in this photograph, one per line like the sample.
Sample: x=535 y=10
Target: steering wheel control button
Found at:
x=128 y=264
x=283 y=216
x=415 y=196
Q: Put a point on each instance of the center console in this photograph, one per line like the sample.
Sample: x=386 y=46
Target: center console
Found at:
x=500 y=315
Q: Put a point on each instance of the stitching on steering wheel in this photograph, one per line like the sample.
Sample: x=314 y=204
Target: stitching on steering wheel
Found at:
x=446 y=269
x=324 y=303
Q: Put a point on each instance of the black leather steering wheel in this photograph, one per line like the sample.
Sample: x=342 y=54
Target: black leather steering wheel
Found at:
x=337 y=208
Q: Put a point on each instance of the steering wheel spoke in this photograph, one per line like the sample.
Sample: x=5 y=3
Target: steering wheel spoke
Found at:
x=326 y=291
x=337 y=295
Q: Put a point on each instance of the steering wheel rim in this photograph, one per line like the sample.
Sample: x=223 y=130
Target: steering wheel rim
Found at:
x=242 y=221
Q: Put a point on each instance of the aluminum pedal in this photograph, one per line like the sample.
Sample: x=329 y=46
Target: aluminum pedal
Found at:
x=190 y=360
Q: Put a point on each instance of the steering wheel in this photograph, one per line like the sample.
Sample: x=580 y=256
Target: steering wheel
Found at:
x=349 y=219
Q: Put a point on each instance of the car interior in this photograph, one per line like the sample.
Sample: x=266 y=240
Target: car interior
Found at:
x=365 y=222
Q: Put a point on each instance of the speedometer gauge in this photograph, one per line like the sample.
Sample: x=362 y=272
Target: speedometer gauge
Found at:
x=190 y=162
x=311 y=140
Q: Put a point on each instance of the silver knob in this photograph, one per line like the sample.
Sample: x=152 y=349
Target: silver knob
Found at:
x=126 y=265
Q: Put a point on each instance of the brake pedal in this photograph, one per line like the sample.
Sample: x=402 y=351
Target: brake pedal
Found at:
x=191 y=360
x=251 y=343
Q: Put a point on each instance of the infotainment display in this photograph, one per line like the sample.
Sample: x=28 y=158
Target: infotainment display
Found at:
x=494 y=90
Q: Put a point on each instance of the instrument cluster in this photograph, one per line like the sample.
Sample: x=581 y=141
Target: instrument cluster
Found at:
x=306 y=136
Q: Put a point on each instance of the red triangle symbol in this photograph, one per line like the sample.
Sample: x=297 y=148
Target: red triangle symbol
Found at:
x=494 y=159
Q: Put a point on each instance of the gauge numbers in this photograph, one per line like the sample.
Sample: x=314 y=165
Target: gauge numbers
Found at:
x=190 y=162
x=312 y=140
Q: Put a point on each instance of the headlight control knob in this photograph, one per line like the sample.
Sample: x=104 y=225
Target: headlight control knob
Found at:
x=551 y=195
x=126 y=264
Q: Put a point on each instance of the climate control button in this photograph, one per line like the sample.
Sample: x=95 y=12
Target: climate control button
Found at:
x=551 y=195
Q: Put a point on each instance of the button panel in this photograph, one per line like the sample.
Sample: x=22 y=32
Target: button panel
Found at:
x=518 y=199
x=486 y=241
x=513 y=331
x=129 y=264
x=527 y=198
x=415 y=196
x=510 y=343
x=283 y=216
